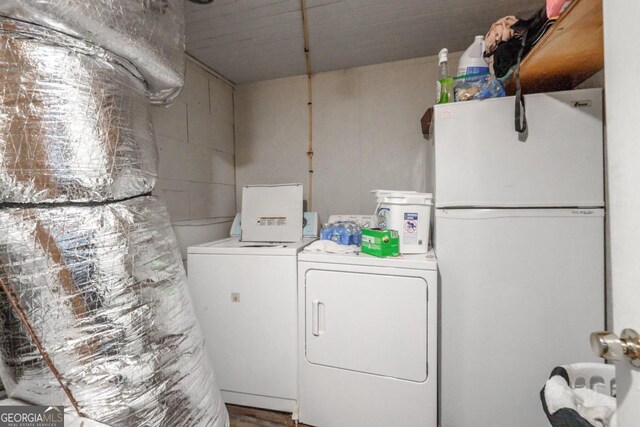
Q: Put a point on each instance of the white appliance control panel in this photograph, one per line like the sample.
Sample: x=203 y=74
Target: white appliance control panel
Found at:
x=310 y=225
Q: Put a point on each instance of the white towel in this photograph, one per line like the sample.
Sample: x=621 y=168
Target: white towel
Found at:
x=330 y=247
x=597 y=408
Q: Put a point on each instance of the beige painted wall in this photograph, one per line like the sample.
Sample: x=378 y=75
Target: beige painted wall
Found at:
x=623 y=156
x=196 y=175
x=366 y=132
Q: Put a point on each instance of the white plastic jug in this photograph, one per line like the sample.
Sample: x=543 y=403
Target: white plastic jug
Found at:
x=472 y=61
x=408 y=212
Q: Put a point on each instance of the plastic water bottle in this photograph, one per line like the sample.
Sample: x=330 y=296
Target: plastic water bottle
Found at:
x=472 y=62
x=343 y=233
x=444 y=86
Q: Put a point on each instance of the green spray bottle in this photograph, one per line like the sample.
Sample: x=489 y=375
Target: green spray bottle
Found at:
x=445 y=82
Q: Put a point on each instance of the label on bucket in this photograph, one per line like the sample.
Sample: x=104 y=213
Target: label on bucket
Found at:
x=410 y=229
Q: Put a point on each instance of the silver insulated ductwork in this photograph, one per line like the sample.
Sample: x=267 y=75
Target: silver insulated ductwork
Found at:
x=94 y=309
x=104 y=291
x=75 y=124
x=149 y=33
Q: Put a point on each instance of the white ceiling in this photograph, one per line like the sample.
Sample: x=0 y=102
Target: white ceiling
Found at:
x=252 y=40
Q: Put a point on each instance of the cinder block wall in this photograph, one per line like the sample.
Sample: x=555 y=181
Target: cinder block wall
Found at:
x=196 y=172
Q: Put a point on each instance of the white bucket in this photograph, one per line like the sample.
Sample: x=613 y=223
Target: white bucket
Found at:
x=409 y=213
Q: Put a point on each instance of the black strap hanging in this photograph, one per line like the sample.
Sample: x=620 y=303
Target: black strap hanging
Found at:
x=521 y=111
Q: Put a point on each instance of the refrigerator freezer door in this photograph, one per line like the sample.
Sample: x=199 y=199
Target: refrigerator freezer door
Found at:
x=482 y=162
x=521 y=290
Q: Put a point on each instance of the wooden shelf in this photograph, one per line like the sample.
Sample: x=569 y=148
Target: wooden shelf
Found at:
x=569 y=53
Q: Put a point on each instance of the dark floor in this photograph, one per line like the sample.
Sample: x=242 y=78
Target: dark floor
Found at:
x=242 y=416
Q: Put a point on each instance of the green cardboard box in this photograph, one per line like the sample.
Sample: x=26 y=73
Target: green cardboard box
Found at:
x=381 y=243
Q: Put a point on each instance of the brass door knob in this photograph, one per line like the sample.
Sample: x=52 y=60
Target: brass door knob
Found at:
x=608 y=346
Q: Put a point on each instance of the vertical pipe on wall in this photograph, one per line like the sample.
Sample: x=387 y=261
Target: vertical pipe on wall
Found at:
x=307 y=55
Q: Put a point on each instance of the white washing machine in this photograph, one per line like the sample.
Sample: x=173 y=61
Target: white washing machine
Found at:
x=367 y=340
x=245 y=298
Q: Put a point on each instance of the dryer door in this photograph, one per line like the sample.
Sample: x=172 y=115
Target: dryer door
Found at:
x=367 y=322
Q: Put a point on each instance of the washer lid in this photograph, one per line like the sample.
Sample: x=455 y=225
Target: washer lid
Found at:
x=413 y=261
x=234 y=246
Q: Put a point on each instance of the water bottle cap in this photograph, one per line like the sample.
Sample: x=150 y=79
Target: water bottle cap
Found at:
x=479 y=38
x=442 y=56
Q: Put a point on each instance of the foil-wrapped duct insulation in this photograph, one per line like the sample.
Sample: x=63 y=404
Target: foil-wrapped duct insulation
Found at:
x=103 y=292
x=149 y=33
x=75 y=124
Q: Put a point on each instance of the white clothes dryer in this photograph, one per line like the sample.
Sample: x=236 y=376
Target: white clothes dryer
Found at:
x=367 y=340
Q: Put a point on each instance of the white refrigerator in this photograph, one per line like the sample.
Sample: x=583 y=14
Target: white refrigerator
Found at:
x=519 y=237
